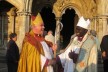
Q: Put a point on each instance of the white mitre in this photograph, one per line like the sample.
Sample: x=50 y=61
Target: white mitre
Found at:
x=83 y=23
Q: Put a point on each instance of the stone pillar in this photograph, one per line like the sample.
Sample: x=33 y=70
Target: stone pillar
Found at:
x=94 y=22
x=11 y=18
x=24 y=22
x=104 y=26
x=102 y=13
x=101 y=26
x=57 y=32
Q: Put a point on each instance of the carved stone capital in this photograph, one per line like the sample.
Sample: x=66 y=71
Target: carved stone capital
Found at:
x=102 y=17
x=58 y=18
x=23 y=13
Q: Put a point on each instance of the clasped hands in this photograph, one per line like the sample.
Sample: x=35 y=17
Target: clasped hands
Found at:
x=51 y=62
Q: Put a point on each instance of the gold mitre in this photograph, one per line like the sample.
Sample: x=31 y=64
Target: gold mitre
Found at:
x=36 y=20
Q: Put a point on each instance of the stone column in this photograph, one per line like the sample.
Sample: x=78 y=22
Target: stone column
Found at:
x=102 y=12
x=11 y=18
x=57 y=32
x=104 y=26
x=24 y=22
x=95 y=24
x=101 y=25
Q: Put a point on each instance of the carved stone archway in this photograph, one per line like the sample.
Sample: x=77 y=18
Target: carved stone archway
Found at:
x=59 y=10
x=72 y=6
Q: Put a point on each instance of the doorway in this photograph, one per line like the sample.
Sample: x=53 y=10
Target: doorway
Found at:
x=48 y=18
x=68 y=21
x=4 y=8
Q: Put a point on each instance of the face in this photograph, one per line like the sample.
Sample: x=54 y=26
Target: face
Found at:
x=50 y=32
x=15 y=38
x=80 y=32
x=38 y=29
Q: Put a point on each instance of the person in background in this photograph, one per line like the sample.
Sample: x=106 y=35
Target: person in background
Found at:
x=12 y=54
x=50 y=37
x=104 y=49
x=36 y=54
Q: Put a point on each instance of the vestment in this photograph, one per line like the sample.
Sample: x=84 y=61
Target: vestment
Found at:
x=35 y=54
x=87 y=55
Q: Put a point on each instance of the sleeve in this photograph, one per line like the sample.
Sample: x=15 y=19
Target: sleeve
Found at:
x=65 y=55
x=44 y=62
x=92 y=61
x=62 y=59
x=98 y=44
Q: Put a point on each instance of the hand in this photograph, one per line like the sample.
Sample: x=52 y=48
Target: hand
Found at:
x=54 y=47
x=104 y=54
x=73 y=56
x=52 y=62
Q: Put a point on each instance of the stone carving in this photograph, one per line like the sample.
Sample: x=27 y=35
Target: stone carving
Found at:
x=89 y=8
x=11 y=20
x=19 y=4
x=59 y=4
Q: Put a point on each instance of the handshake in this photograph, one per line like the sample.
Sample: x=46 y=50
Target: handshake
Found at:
x=73 y=56
x=51 y=62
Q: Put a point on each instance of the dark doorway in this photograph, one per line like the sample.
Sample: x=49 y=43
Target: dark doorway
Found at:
x=48 y=18
x=68 y=26
x=4 y=8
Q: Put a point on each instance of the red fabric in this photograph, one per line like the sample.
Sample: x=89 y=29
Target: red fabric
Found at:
x=39 y=38
x=33 y=18
x=80 y=38
x=46 y=63
x=33 y=41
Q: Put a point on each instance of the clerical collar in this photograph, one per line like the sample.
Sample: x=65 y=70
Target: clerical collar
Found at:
x=38 y=35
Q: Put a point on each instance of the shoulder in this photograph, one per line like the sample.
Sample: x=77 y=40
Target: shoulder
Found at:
x=91 y=38
x=29 y=39
x=106 y=36
x=11 y=43
x=28 y=36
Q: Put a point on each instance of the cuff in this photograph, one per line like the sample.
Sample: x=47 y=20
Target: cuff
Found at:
x=46 y=63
